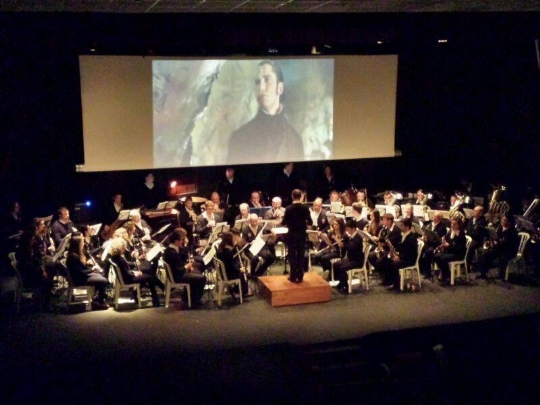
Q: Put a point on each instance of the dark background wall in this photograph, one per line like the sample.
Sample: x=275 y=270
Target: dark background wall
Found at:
x=465 y=108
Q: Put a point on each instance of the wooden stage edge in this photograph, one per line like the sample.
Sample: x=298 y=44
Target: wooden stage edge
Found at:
x=279 y=291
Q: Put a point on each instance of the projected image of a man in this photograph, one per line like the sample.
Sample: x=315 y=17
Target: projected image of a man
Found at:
x=268 y=136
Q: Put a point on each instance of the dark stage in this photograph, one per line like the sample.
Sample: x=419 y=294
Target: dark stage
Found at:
x=376 y=346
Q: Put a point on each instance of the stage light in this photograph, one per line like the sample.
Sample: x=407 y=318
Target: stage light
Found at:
x=88 y=203
x=173 y=184
x=379 y=42
x=442 y=41
x=314 y=50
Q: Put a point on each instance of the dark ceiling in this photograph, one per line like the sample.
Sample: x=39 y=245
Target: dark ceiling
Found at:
x=267 y=6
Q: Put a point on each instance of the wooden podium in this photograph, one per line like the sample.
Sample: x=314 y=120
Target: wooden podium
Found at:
x=279 y=291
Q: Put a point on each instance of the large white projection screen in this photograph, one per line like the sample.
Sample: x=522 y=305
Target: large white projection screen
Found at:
x=144 y=113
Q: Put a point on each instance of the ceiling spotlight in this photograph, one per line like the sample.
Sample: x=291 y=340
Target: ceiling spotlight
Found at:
x=442 y=41
x=314 y=50
x=173 y=184
x=379 y=42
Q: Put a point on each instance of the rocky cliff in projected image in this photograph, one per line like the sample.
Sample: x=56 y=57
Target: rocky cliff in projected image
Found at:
x=199 y=104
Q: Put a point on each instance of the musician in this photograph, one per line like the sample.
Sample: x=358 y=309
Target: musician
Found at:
x=409 y=213
x=358 y=215
x=389 y=233
x=112 y=210
x=150 y=195
x=244 y=212
x=227 y=253
x=184 y=271
x=11 y=221
x=62 y=226
x=206 y=221
x=319 y=221
x=83 y=271
x=330 y=248
x=390 y=200
x=277 y=211
x=328 y=182
x=476 y=229
x=130 y=273
x=219 y=206
x=351 y=246
x=230 y=189
x=362 y=199
x=375 y=226
x=332 y=197
x=421 y=198
x=286 y=182
x=250 y=231
x=188 y=217
x=454 y=246
x=255 y=200
x=402 y=254
x=296 y=218
x=503 y=249
x=431 y=242
x=142 y=229
x=30 y=264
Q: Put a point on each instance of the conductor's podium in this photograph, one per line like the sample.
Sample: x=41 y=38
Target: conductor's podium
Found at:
x=279 y=291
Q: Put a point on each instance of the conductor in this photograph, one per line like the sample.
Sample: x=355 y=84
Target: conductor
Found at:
x=296 y=219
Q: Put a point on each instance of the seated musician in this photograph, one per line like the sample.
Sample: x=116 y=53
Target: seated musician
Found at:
x=184 y=270
x=84 y=271
x=142 y=229
x=219 y=206
x=61 y=227
x=227 y=253
x=136 y=250
x=501 y=250
x=250 y=231
x=375 y=226
x=277 y=211
x=358 y=216
x=434 y=232
x=46 y=247
x=330 y=248
x=454 y=246
x=402 y=254
x=421 y=198
x=319 y=221
x=188 y=218
x=476 y=229
x=256 y=200
x=244 y=212
x=390 y=232
x=362 y=199
x=30 y=264
x=129 y=271
x=408 y=212
x=390 y=200
x=352 y=245
x=206 y=221
x=333 y=197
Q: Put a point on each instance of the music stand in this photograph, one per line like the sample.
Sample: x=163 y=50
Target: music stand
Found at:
x=492 y=232
x=123 y=215
x=367 y=236
x=381 y=208
x=152 y=253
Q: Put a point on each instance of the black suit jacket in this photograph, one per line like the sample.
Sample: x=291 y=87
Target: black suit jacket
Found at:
x=175 y=260
x=322 y=222
x=477 y=230
x=296 y=219
x=408 y=250
x=355 y=250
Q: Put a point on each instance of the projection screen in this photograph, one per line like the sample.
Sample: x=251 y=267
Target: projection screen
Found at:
x=146 y=113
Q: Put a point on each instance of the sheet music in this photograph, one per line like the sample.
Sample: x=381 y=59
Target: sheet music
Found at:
x=123 y=215
x=381 y=208
x=163 y=228
x=95 y=228
x=47 y=220
x=391 y=209
x=336 y=207
x=280 y=230
x=367 y=236
x=256 y=246
x=162 y=205
x=209 y=256
x=152 y=253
